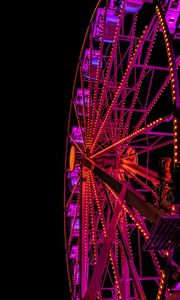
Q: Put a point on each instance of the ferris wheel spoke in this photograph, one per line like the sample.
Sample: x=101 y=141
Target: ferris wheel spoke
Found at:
x=98 y=203
x=131 y=264
x=83 y=106
x=95 y=106
x=145 y=186
x=110 y=63
x=99 y=269
x=146 y=139
x=116 y=272
x=89 y=104
x=132 y=196
x=129 y=138
x=152 y=141
x=135 y=216
x=153 y=102
x=112 y=254
x=72 y=193
x=125 y=92
x=124 y=80
x=150 y=148
x=93 y=224
x=114 y=80
x=140 y=79
x=84 y=231
x=128 y=54
x=139 y=221
x=140 y=170
x=141 y=224
x=105 y=229
x=132 y=34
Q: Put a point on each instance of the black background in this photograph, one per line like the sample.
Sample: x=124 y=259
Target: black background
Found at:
x=60 y=33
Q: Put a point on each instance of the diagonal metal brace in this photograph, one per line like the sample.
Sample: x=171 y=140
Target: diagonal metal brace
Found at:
x=100 y=266
x=133 y=197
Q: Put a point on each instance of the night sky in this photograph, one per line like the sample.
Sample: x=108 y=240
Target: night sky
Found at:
x=61 y=31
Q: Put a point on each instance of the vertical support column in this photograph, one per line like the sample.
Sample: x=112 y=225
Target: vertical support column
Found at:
x=126 y=279
x=84 y=234
x=125 y=266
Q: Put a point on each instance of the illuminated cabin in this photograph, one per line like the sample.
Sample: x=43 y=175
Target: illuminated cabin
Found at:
x=81 y=99
x=72 y=210
x=75 y=226
x=90 y=63
x=74 y=252
x=111 y=23
x=173 y=18
x=76 y=134
x=73 y=178
x=131 y=6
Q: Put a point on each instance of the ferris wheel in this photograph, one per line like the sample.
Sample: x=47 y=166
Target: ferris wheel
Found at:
x=121 y=214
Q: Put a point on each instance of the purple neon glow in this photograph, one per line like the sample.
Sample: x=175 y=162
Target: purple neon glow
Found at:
x=72 y=210
x=82 y=97
x=172 y=16
x=93 y=63
x=73 y=177
x=111 y=22
x=74 y=252
x=76 y=134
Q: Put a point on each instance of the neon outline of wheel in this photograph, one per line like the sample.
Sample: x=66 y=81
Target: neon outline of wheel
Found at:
x=108 y=117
